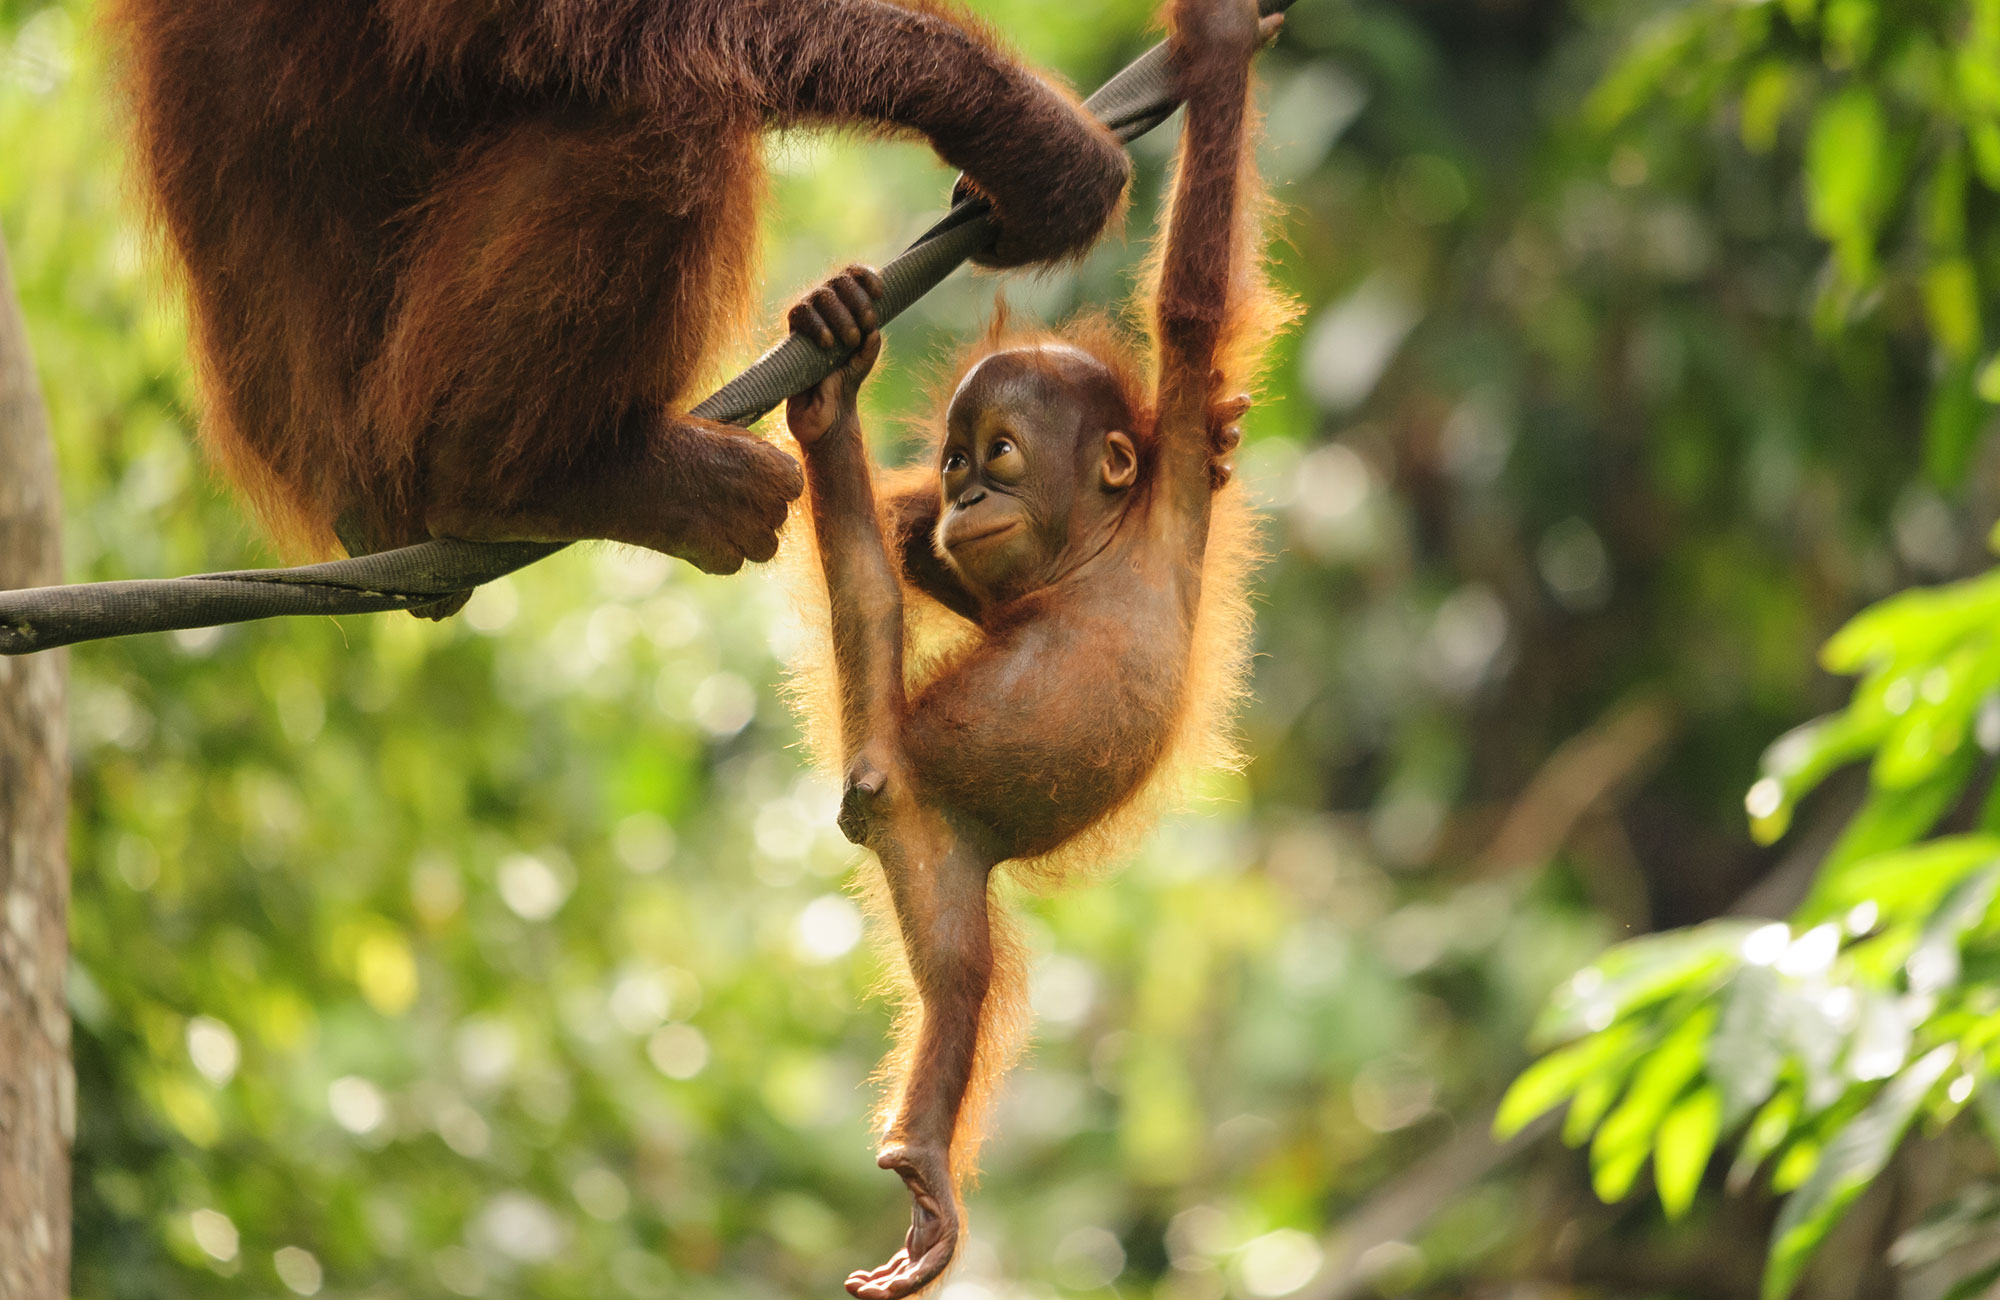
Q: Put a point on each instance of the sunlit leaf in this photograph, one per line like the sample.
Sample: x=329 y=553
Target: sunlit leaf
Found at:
x=1770 y=1130
x=1766 y=94
x=1795 y=763
x=1639 y=973
x=1594 y=1096
x=1913 y=625
x=1882 y=1039
x=1613 y=1173
x=1796 y=1165
x=1847 y=167
x=1627 y=1135
x=1850 y=27
x=1550 y=1081
x=1951 y=303
x=1681 y=1153
x=1904 y=882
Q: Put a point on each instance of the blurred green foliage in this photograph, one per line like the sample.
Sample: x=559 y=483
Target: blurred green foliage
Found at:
x=511 y=956
x=1817 y=1045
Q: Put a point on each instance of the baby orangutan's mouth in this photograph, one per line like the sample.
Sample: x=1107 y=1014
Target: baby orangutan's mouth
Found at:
x=986 y=534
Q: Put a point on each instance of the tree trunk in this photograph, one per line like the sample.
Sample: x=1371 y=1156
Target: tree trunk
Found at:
x=37 y=1085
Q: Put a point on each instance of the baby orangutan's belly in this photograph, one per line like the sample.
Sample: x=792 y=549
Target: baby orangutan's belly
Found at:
x=1048 y=765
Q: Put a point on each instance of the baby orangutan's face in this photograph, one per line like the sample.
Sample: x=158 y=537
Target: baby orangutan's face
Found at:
x=1034 y=460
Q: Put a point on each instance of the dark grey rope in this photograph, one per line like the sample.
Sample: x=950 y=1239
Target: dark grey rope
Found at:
x=1132 y=103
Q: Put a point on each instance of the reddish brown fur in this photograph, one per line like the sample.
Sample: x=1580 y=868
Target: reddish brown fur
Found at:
x=1044 y=731
x=454 y=265
x=1199 y=736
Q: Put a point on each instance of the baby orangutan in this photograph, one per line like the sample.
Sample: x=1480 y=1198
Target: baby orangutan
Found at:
x=1070 y=515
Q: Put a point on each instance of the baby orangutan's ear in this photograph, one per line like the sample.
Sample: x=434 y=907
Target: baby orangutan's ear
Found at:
x=1119 y=468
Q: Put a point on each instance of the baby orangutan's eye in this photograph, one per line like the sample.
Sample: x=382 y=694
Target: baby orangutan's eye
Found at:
x=954 y=462
x=1000 y=447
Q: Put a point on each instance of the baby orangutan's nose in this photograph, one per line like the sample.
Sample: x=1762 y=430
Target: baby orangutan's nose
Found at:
x=972 y=498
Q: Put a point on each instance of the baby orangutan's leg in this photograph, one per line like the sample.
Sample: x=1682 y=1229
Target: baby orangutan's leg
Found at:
x=708 y=493
x=941 y=911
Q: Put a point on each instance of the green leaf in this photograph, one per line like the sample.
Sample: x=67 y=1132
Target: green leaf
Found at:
x=1853 y=1157
x=1984 y=137
x=1847 y=167
x=1639 y=973
x=1681 y=1153
x=1915 y=625
x=1795 y=763
x=1905 y=883
x=1951 y=305
x=1937 y=721
x=1944 y=204
x=1613 y=1174
x=1594 y=1097
x=1771 y=1129
x=1957 y=413
x=1767 y=92
x=1796 y=1165
x=1850 y=27
x=1628 y=1134
x=1666 y=44
x=1550 y=1081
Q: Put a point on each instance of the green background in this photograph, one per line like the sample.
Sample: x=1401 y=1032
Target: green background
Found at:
x=513 y=956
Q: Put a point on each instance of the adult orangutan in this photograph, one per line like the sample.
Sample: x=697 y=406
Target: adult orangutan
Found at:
x=1073 y=518
x=454 y=264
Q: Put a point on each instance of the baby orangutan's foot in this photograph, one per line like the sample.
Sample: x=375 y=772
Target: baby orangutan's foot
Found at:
x=933 y=1236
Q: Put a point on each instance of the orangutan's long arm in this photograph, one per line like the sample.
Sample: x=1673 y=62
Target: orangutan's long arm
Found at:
x=1055 y=174
x=1203 y=266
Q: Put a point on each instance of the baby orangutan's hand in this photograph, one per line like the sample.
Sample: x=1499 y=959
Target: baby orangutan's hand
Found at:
x=840 y=313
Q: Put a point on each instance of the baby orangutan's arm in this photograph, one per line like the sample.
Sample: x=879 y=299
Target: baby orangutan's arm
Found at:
x=862 y=585
x=1203 y=268
x=935 y=867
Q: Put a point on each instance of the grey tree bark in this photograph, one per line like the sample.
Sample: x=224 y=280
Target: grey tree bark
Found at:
x=37 y=1084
